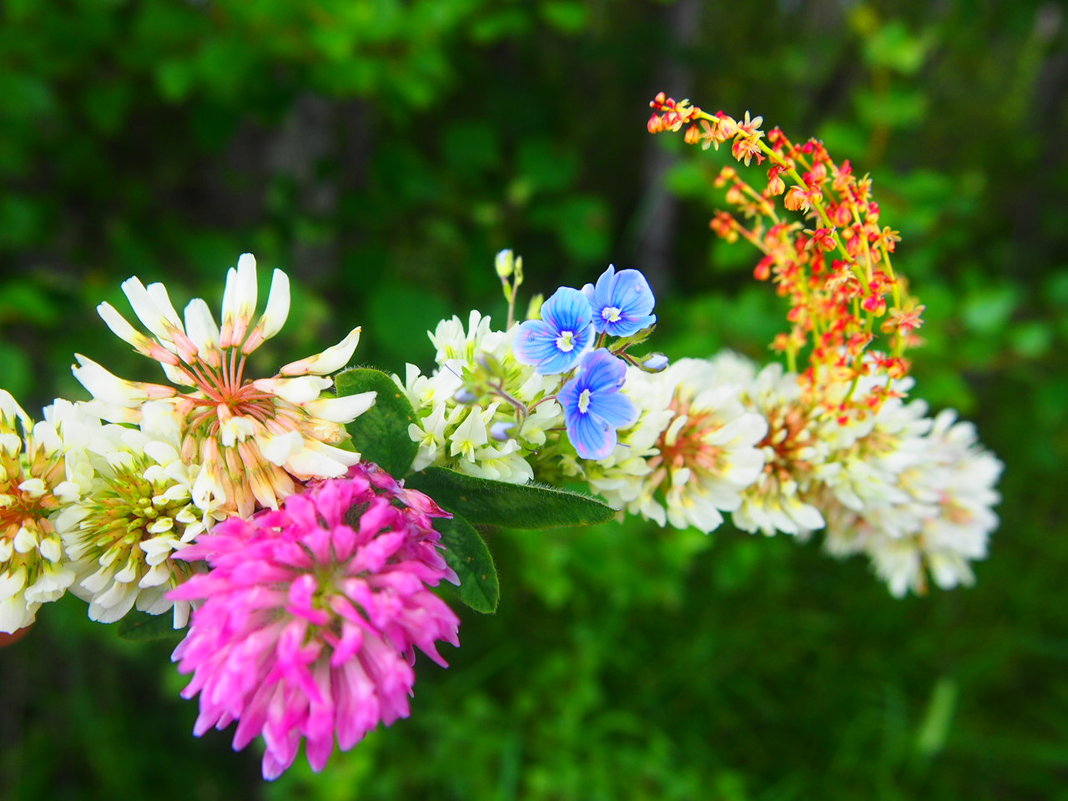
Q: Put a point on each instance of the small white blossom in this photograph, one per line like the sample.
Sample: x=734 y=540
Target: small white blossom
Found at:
x=796 y=450
x=256 y=439
x=489 y=437
x=940 y=517
x=690 y=455
x=135 y=510
x=34 y=486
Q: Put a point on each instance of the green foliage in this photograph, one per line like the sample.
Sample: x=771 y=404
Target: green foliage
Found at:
x=496 y=503
x=139 y=626
x=381 y=433
x=381 y=152
x=467 y=554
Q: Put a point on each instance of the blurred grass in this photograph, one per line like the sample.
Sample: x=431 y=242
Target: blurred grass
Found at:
x=381 y=152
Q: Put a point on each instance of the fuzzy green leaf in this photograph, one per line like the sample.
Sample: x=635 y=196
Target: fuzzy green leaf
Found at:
x=467 y=554
x=496 y=503
x=142 y=626
x=381 y=433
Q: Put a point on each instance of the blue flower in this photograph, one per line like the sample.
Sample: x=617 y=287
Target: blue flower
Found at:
x=593 y=405
x=556 y=342
x=655 y=363
x=621 y=302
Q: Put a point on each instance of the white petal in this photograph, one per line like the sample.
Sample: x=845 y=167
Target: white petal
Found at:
x=318 y=460
x=341 y=410
x=161 y=452
x=237 y=429
x=200 y=325
x=109 y=388
x=70 y=517
x=113 y=605
x=46 y=435
x=11 y=583
x=97 y=581
x=295 y=390
x=50 y=585
x=121 y=327
x=158 y=545
x=145 y=308
x=329 y=361
x=181 y=614
x=239 y=301
x=114 y=413
x=154 y=577
x=158 y=293
x=67 y=491
x=274 y=316
x=10 y=407
x=15 y=613
x=34 y=487
x=128 y=572
x=278 y=449
x=25 y=541
x=176 y=376
x=161 y=525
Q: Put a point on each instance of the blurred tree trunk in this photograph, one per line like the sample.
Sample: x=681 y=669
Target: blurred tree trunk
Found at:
x=658 y=210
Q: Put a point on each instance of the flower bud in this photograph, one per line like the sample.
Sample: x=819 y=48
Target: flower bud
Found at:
x=464 y=396
x=534 y=309
x=501 y=431
x=505 y=264
x=655 y=363
x=490 y=363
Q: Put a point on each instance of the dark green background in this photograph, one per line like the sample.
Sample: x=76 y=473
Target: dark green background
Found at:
x=382 y=152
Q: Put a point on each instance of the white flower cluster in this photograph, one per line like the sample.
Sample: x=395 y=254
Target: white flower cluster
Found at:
x=692 y=452
x=100 y=495
x=913 y=493
x=33 y=489
x=134 y=509
x=718 y=436
x=928 y=505
x=492 y=439
x=684 y=462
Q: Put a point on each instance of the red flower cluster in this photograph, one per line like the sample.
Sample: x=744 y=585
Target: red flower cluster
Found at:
x=833 y=264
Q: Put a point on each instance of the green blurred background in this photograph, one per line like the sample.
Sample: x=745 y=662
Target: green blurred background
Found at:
x=382 y=151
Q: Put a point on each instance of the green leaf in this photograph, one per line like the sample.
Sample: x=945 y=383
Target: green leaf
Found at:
x=381 y=433
x=467 y=554
x=139 y=626
x=496 y=503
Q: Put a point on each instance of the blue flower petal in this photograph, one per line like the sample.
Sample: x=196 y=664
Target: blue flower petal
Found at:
x=593 y=406
x=621 y=302
x=555 y=343
x=568 y=397
x=567 y=310
x=592 y=438
x=534 y=342
x=602 y=372
x=614 y=408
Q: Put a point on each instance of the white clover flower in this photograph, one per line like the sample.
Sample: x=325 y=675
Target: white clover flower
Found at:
x=796 y=449
x=253 y=437
x=690 y=455
x=886 y=444
x=33 y=489
x=135 y=510
x=943 y=520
